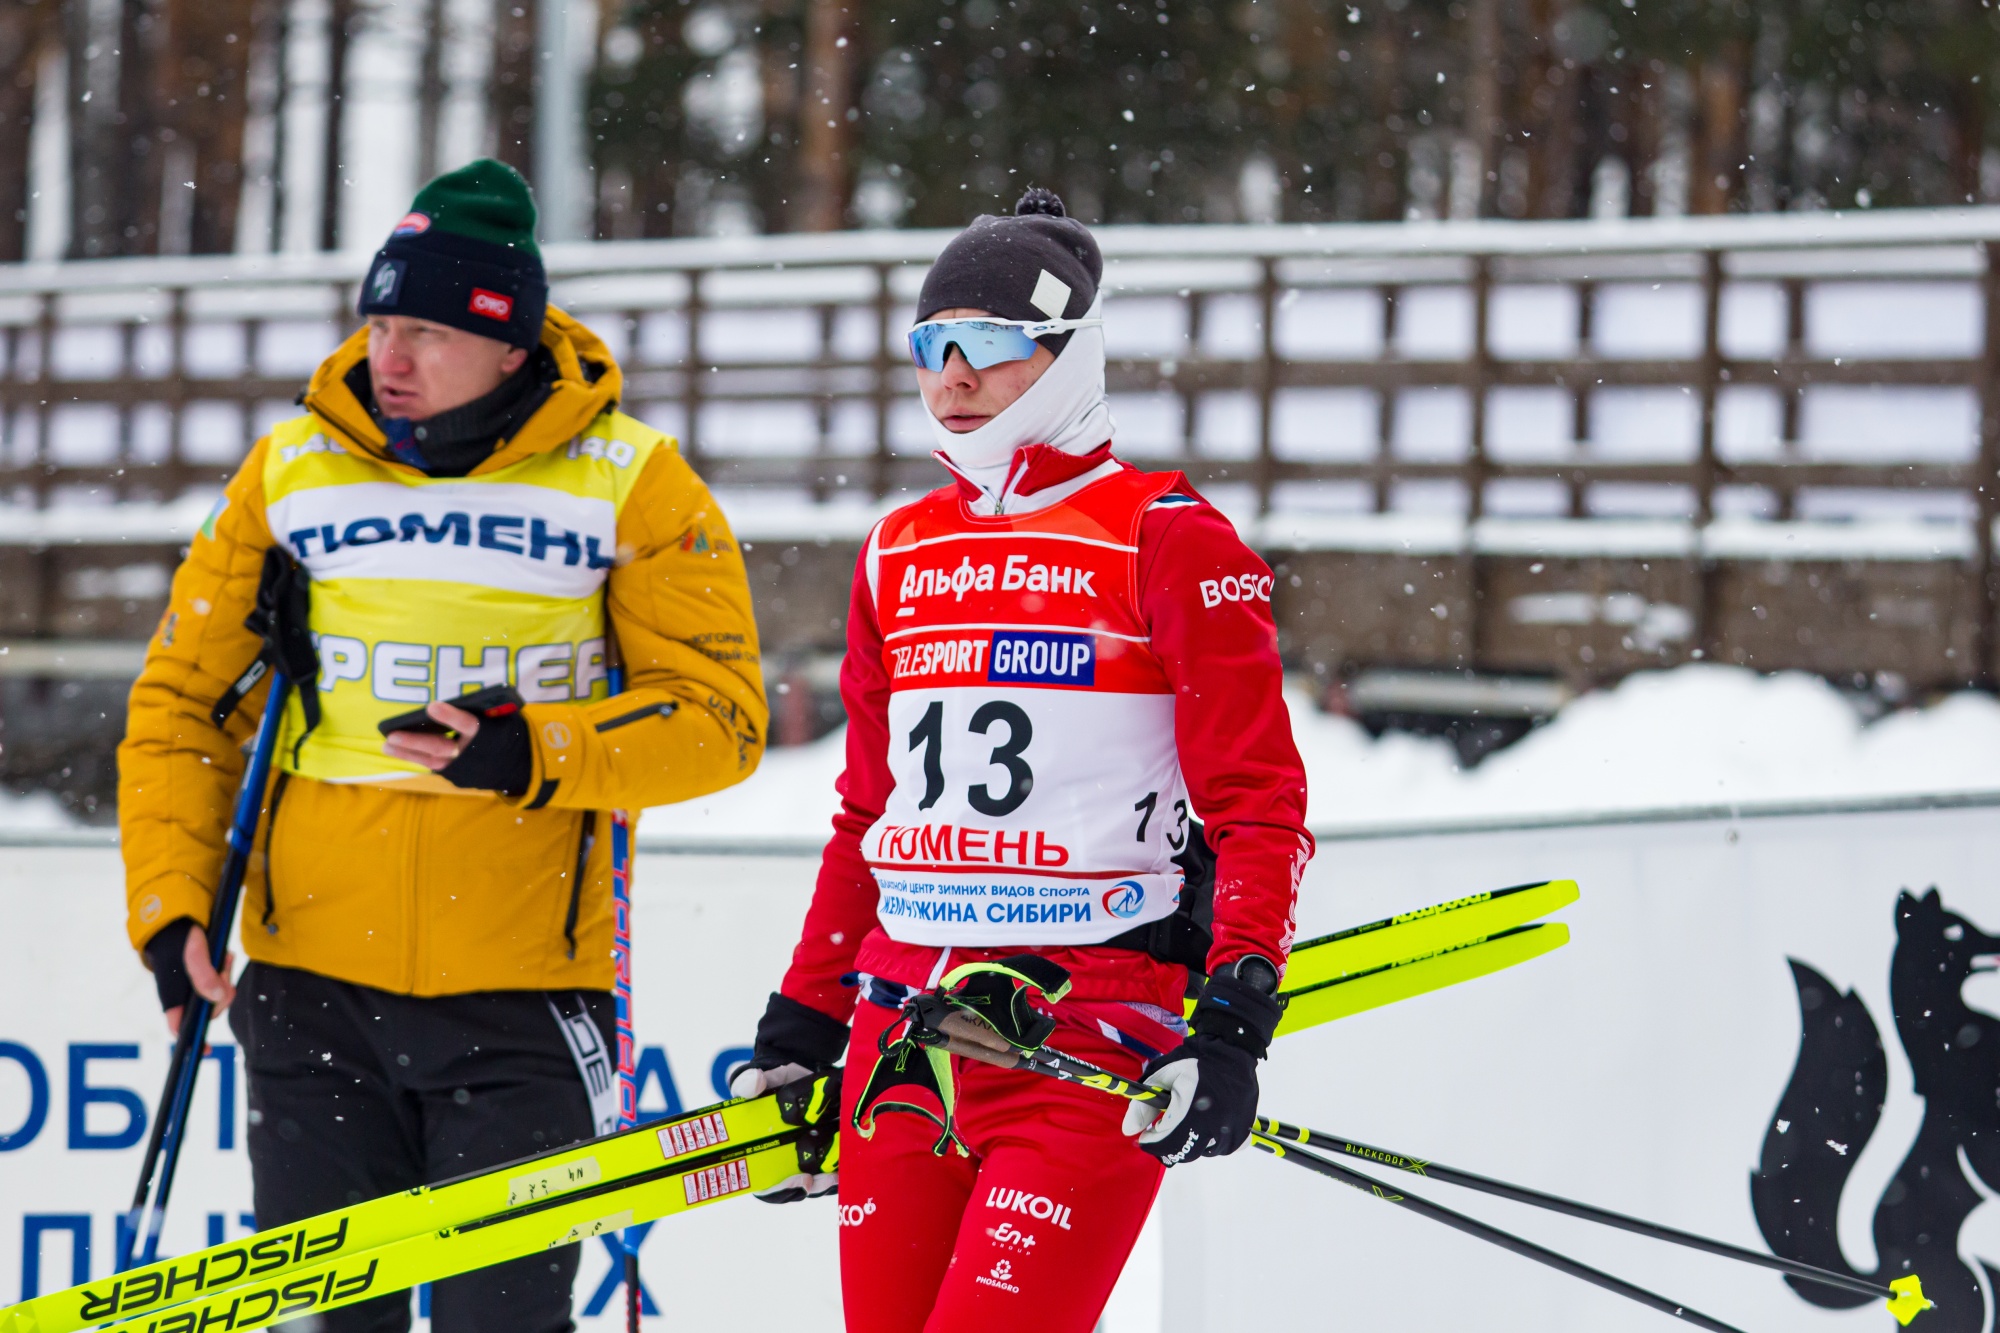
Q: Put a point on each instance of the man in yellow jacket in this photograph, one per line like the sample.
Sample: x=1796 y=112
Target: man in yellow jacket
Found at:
x=428 y=918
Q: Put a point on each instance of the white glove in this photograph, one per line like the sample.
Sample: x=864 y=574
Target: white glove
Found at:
x=746 y=1080
x=1150 y=1122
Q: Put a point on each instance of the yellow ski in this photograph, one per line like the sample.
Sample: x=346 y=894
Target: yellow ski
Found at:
x=1402 y=981
x=344 y=1279
x=428 y=1233
x=1421 y=933
x=279 y=1253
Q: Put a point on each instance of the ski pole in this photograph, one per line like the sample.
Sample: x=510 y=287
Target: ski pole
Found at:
x=964 y=1036
x=1313 y=1138
x=163 y=1148
x=621 y=955
x=1367 y=1184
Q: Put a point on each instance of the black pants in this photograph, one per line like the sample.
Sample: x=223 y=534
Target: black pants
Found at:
x=356 y=1093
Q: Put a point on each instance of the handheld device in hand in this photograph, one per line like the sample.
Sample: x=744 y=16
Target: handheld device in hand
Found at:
x=493 y=701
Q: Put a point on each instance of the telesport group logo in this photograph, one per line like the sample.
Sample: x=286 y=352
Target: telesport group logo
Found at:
x=1125 y=899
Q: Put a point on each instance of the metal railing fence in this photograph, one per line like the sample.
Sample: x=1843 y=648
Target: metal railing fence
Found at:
x=1285 y=364
x=146 y=377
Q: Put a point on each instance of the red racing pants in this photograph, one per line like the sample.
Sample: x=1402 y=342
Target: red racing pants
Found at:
x=1033 y=1228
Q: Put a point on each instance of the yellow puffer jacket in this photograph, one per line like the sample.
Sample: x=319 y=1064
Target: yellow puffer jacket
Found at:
x=400 y=885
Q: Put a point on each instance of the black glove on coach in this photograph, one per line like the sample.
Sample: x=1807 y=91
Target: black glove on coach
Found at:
x=166 y=953
x=1212 y=1076
x=499 y=757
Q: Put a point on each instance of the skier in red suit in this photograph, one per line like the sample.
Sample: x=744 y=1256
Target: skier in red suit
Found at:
x=1055 y=665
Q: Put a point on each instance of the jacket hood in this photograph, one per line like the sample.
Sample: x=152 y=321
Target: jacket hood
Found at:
x=588 y=383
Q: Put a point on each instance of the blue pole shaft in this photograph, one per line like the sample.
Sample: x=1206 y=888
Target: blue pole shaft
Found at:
x=156 y=1177
x=621 y=952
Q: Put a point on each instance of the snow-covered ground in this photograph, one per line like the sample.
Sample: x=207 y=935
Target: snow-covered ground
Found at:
x=34 y=812
x=1698 y=735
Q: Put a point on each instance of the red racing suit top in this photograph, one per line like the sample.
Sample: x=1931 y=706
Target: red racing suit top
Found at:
x=1034 y=701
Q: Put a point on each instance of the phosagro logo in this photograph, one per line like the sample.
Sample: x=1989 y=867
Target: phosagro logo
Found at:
x=1125 y=899
x=998 y=1276
x=491 y=304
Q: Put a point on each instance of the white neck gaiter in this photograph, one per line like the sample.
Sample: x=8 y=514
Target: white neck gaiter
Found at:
x=1064 y=409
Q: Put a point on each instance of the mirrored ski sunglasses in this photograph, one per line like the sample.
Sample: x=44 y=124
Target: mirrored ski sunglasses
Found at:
x=984 y=342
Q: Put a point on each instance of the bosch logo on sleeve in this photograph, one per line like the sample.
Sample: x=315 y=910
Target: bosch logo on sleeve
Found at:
x=1041 y=658
x=1235 y=588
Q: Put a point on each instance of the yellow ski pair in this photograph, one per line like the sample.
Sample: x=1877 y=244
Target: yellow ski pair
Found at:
x=735 y=1148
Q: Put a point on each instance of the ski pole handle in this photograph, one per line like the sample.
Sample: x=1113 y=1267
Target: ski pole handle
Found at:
x=967 y=1037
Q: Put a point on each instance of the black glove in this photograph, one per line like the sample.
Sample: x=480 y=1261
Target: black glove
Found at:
x=281 y=618
x=499 y=757
x=1212 y=1076
x=794 y=1041
x=166 y=953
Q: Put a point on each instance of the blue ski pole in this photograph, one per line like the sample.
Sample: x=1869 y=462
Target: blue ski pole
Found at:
x=163 y=1150
x=621 y=954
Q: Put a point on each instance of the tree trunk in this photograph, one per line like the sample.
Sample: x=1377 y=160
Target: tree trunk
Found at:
x=1387 y=168
x=779 y=66
x=24 y=34
x=826 y=173
x=430 y=90
x=141 y=34
x=208 y=79
x=1967 y=122
x=1482 y=103
x=1556 y=176
x=511 y=93
x=1645 y=88
x=277 y=24
x=340 y=18
x=93 y=231
x=1716 y=156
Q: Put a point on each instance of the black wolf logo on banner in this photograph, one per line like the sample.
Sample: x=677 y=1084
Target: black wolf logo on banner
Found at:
x=1834 y=1101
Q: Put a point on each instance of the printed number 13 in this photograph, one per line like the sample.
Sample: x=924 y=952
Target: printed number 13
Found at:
x=928 y=736
x=1150 y=802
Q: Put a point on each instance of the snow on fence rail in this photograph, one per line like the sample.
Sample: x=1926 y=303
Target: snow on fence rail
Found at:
x=1475 y=355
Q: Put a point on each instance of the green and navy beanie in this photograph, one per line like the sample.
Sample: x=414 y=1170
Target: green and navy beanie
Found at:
x=465 y=255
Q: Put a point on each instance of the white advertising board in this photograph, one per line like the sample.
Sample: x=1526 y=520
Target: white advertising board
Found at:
x=1640 y=1068
x=83 y=1052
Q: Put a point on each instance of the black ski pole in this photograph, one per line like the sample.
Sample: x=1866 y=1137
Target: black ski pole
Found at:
x=1450 y=1175
x=163 y=1148
x=963 y=1036
x=1367 y=1184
